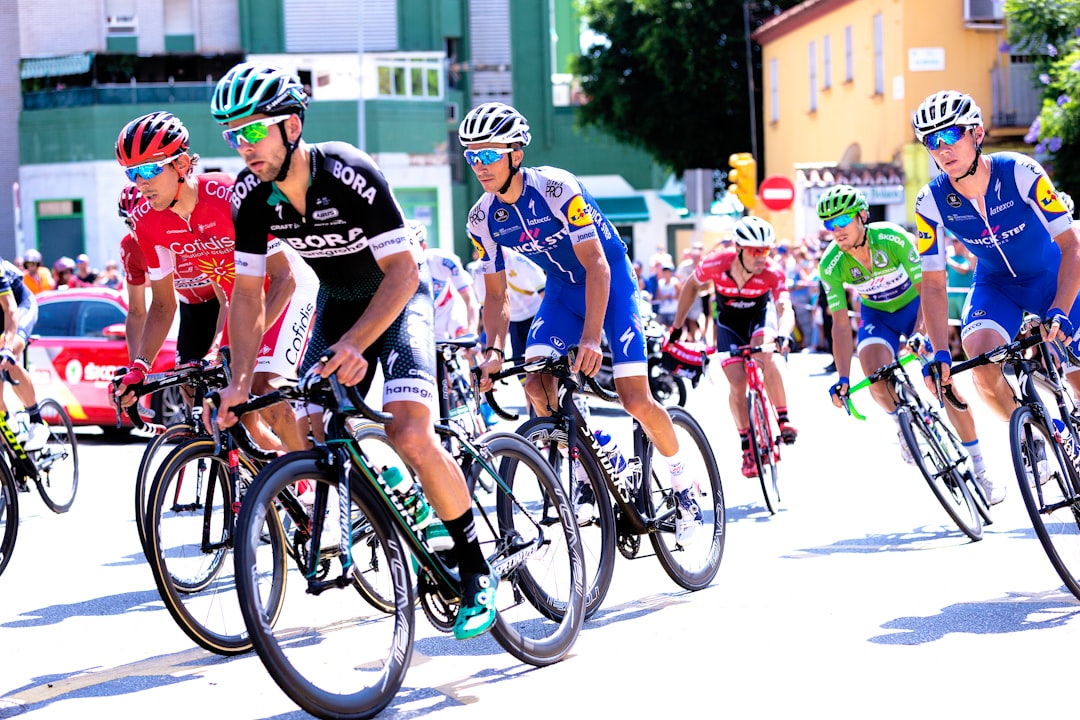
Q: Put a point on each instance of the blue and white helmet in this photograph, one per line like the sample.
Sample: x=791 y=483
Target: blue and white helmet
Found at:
x=945 y=109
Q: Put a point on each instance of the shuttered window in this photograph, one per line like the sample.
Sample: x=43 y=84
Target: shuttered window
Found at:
x=326 y=26
x=489 y=33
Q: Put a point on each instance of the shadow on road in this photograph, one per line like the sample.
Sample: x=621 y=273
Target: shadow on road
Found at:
x=1018 y=612
x=142 y=601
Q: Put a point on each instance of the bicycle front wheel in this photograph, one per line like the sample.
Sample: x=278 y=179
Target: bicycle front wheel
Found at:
x=530 y=535
x=155 y=453
x=694 y=566
x=329 y=650
x=189 y=540
x=596 y=524
x=9 y=514
x=762 y=444
x=58 y=462
x=940 y=471
x=1048 y=485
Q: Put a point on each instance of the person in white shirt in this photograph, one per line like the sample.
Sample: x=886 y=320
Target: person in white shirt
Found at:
x=457 y=312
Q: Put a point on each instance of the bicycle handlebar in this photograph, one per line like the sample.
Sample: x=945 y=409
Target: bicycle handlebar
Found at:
x=559 y=367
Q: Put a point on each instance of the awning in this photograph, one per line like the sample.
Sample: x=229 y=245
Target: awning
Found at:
x=677 y=201
x=59 y=66
x=623 y=210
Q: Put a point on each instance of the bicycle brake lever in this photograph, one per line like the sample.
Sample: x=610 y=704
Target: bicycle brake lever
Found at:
x=954 y=399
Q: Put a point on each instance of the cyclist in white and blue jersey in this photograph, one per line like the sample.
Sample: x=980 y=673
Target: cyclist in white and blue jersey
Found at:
x=545 y=214
x=1006 y=211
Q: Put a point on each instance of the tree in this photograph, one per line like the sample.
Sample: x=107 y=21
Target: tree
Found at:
x=672 y=79
x=1049 y=30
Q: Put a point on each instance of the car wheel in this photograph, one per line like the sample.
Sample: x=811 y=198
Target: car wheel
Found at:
x=169 y=406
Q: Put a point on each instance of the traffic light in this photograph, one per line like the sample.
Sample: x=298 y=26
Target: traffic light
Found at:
x=743 y=178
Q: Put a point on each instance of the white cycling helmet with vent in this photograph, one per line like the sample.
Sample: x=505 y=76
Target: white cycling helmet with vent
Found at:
x=752 y=231
x=945 y=109
x=494 y=122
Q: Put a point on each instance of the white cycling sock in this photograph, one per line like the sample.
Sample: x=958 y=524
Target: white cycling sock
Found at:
x=975 y=452
x=676 y=466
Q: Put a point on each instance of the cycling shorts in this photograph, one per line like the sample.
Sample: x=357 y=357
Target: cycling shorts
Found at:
x=886 y=328
x=735 y=327
x=285 y=343
x=561 y=318
x=999 y=304
x=406 y=351
x=198 y=322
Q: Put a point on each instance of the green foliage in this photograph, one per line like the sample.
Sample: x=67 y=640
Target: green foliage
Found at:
x=673 y=79
x=1050 y=31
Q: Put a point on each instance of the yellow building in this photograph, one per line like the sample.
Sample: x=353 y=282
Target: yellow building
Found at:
x=841 y=78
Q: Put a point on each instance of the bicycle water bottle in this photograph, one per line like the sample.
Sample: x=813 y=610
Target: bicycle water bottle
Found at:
x=1067 y=441
x=615 y=457
x=411 y=497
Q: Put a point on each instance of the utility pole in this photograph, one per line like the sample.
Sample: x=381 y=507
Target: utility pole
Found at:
x=750 y=82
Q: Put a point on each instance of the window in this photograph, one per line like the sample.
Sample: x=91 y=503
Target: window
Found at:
x=813 y=76
x=826 y=62
x=849 y=64
x=879 y=55
x=774 y=91
x=419 y=77
x=95 y=316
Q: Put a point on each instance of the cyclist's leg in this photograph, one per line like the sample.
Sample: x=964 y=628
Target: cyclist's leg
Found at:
x=993 y=318
x=557 y=326
x=283 y=347
x=24 y=386
x=767 y=329
x=878 y=343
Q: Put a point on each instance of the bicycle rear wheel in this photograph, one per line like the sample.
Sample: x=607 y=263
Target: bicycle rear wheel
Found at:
x=940 y=471
x=692 y=567
x=189 y=540
x=955 y=450
x=530 y=535
x=763 y=447
x=58 y=462
x=155 y=453
x=331 y=652
x=9 y=514
x=598 y=533
x=1048 y=485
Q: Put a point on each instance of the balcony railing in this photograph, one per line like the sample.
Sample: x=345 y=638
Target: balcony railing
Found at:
x=152 y=93
x=1016 y=98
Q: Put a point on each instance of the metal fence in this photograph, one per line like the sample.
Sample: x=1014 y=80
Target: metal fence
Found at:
x=151 y=93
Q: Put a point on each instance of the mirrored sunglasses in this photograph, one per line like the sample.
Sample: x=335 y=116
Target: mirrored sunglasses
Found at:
x=756 y=251
x=486 y=156
x=148 y=171
x=252 y=132
x=841 y=221
x=949 y=136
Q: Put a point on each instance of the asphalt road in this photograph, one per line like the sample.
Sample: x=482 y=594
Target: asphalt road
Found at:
x=857 y=599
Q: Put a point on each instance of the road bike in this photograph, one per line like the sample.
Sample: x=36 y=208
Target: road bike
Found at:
x=935 y=448
x=666 y=387
x=338 y=656
x=54 y=469
x=1042 y=436
x=763 y=424
x=638 y=503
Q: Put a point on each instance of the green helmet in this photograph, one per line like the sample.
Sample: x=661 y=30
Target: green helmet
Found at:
x=841 y=200
x=256 y=89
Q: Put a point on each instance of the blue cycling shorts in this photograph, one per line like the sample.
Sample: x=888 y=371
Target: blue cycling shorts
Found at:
x=999 y=303
x=561 y=318
x=883 y=327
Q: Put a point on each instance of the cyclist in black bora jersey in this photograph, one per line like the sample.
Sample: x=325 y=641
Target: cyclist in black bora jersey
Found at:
x=332 y=204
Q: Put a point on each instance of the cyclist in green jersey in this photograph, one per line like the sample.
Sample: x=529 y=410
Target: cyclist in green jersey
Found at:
x=880 y=261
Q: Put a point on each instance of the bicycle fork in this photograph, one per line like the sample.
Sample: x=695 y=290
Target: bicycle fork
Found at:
x=341 y=466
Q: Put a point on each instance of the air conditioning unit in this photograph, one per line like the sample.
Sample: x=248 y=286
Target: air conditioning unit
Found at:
x=121 y=24
x=984 y=11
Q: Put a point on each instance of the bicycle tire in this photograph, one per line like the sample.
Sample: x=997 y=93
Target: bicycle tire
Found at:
x=155 y=453
x=531 y=508
x=940 y=472
x=1053 y=504
x=9 y=514
x=332 y=653
x=598 y=537
x=666 y=387
x=693 y=567
x=189 y=541
x=58 y=462
x=761 y=444
x=955 y=448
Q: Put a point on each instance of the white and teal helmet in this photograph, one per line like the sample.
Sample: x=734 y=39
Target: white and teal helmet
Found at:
x=257 y=89
x=494 y=122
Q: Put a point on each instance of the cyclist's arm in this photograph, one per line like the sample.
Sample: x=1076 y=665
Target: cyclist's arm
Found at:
x=222 y=317
x=496 y=310
x=1068 y=280
x=282 y=286
x=934 y=307
x=843 y=345
x=11 y=318
x=472 y=311
x=687 y=297
x=136 y=317
x=785 y=316
x=159 y=318
x=597 y=287
x=247 y=318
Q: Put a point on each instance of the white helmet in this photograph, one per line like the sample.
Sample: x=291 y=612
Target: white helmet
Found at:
x=945 y=109
x=494 y=122
x=752 y=231
x=418 y=230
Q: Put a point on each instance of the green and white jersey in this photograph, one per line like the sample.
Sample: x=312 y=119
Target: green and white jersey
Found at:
x=888 y=284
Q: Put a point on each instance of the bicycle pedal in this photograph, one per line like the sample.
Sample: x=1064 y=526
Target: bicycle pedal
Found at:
x=22 y=485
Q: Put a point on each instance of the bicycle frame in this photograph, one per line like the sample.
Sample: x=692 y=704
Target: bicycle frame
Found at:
x=24 y=467
x=755 y=382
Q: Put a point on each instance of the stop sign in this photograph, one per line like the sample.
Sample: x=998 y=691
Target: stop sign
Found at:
x=776 y=192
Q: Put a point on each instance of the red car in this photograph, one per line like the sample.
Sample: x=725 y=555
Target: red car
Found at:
x=78 y=343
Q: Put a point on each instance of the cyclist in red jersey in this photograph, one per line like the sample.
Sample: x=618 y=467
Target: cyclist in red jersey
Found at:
x=184 y=229
x=134 y=264
x=752 y=307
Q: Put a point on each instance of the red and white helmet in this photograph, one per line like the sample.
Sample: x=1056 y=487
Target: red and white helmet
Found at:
x=151 y=138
